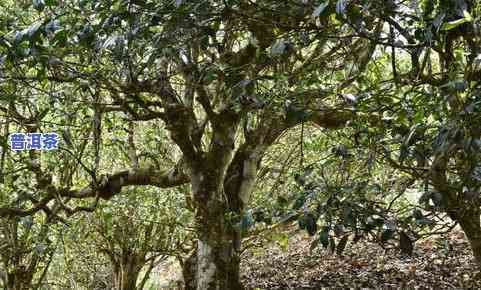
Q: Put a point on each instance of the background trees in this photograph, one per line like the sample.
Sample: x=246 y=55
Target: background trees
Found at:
x=176 y=93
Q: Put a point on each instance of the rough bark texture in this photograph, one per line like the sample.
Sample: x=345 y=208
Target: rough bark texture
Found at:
x=465 y=212
x=19 y=280
x=221 y=189
x=189 y=270
x=470 y=224
x=126 y=273
x=217 y=259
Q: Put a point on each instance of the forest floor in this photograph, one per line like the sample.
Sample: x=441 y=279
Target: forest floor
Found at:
x=443 y=262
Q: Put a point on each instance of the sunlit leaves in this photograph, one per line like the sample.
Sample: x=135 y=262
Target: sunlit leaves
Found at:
x=320 y=9
x=31 y=33
x=421 y=219
x=247 y=221
x=341 y=7
x=453 y=24
x=280 y=47
x=39 y=5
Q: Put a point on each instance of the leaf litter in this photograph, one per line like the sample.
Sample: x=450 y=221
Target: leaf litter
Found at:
x=441 y=262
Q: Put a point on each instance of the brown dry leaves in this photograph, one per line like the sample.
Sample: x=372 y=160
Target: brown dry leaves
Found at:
x=439 y=263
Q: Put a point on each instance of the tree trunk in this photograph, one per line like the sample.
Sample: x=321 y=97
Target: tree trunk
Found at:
x=218 y=264
x=189 y=268
x=221 y=186
x=14 y=284
x=19 y=280
x=470 y=223
x=217 y=257
x=125 y=274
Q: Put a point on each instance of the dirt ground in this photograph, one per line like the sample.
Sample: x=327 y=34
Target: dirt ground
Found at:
x=443 y=262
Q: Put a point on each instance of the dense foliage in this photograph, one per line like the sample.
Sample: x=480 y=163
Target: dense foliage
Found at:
x=189 y=127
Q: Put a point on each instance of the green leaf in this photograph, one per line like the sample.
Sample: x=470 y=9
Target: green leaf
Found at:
x=40 y=248
x=282 y=239
x=302 y=222
x=311 y=224
x=282 y=201
x=247 y=221
x=299 y=202
x=60 y=38
x=324 y=237
x=5 y=43
x=279 y=47
x=33 y=30
x=108 y=216
x=39 y=5
x=338 y=230
x=453 y=24
x=318 y=11
x=41 y=74
x=386 y=235
x=288 y=218
x=405 y=244
x=86 y=35
x=467 y=16
x=51 y=2
x=341 y=7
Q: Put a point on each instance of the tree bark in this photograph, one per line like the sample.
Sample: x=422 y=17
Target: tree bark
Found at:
x=470 y=224
x=220 y=198
x=126 y=274
x=19 y=279
x=217 y=258
x=189 y=270
x=219 y=266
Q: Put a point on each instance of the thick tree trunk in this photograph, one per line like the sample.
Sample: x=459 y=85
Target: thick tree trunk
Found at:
x=470 y=223
x=217 y=265
x=221 y=185
x=19 y=279
x=465 y=212
x=223 y=262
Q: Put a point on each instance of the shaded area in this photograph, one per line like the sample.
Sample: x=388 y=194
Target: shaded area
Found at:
x=439 y=263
